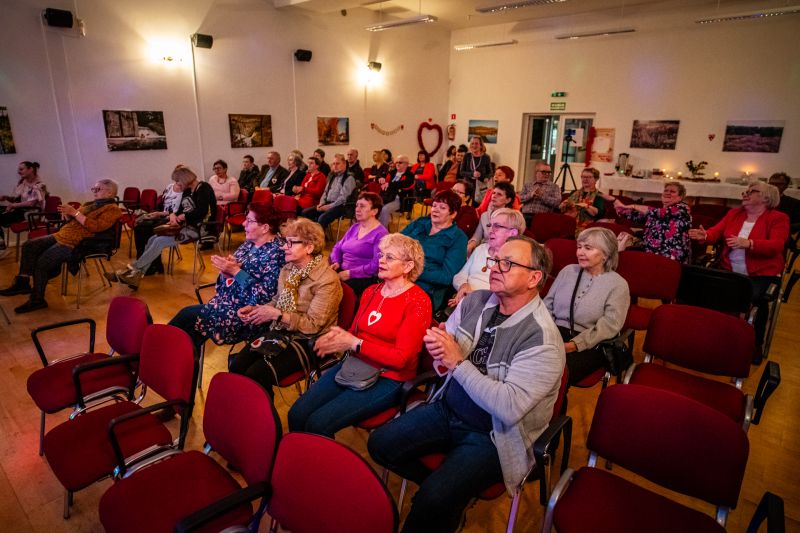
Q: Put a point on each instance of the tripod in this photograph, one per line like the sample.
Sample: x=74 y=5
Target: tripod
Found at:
x=565 y=168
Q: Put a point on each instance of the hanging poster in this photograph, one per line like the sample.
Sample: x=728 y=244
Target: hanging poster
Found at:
x=333 y=130
x=485 y=129
x=753 y=136
x=658 y=134
x=603 y=146
x=134 y=130
x=248 y=131
x=6 y=139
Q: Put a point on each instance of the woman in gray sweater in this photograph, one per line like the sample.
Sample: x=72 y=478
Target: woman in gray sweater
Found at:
x=598 y=296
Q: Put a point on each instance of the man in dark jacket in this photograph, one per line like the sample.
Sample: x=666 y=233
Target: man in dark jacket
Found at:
x=273 y=174
x=395 y=187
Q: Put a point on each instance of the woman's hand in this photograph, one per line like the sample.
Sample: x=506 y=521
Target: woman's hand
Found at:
x=738 y=242
x=570 y=347
x=67 y=210
x=443 y=348
x=344 y=275
x=226 y=265
x=335 y=341
x=173 y=219
x=258 y=314
x=699 y=234
x=608 y=197
x=471 y=245
x=336 y=266
x=465 y=289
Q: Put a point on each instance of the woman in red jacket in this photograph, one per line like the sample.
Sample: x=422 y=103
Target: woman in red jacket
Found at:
x=313 y=185
x=386 y=337
x=755 y=235
x=424 y=171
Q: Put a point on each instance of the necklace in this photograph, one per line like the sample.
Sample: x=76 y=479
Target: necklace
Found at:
x=375 y=315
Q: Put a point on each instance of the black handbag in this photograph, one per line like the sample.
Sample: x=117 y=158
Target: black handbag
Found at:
x=278 y=343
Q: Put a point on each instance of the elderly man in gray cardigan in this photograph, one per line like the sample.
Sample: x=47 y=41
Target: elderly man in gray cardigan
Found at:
x=338 y=189
x=504 y=359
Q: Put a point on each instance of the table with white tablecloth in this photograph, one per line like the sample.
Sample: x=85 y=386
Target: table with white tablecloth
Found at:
x=695 y=189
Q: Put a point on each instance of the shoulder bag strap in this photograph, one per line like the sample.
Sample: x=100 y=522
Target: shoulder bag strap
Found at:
x=572 y=303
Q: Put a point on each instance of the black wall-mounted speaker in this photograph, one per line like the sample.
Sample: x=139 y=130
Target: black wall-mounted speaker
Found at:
x=202 y=41
x=58 y=17
x=302 y=55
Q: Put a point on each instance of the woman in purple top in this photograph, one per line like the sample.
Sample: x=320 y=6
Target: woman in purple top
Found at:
x=355 y=257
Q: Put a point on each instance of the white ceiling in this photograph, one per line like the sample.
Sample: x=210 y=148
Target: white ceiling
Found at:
x=459 y=14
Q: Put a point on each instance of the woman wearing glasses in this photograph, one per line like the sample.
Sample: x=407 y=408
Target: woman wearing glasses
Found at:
x=386 y=337
x=226 y=189
x=754 y=235
x=503 y=195
x=246 y=278
x=474 y=275
x=589 y=301
x=306 y=305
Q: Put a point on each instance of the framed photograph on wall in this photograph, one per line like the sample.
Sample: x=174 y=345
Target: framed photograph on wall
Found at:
x=485 y=129
x=333 y=130
x=6 y=139
x=248 y=131
x=753 y=136
x=134 y=130
x=603 y=145
x=657 y=134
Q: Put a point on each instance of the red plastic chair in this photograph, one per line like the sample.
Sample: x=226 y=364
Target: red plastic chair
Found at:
x=185 y=490
x=130 y=198
x=373 y=187
x=467 y=218
x=707 y=342
x=668 y=439
x=148 y=200
x=543 y=449
x=352 y=498
x=52 y=388
x=285 y=206
x=80 y=451
x=613 y=226
x=437 y=188
x=546 y=226
x=649 y=276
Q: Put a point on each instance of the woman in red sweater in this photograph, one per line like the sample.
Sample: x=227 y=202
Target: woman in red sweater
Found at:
x=386 y=335
x=424 y=171
x=313 y=185
x=755 y=235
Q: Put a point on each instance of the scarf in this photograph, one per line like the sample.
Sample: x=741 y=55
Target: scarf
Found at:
x=287 y=299
x=93 y=205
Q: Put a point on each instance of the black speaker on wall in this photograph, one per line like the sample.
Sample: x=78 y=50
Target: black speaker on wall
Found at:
x=302 y=55
x=58 y=17
x=201 y=40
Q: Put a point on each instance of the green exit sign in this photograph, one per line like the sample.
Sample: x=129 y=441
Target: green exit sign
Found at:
x=558 y=106
x=558 y=94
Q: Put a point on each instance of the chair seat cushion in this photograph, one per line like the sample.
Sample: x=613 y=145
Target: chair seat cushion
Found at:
x=638 y=318
x=381 y=418
x=19 y=227
x=434 y=460
x=292 y=378
x=156 y=498
x=592 y=379
x=723 y=397
x=237 y=219
x=52 y=389
x=600 y=501
x=79 y=450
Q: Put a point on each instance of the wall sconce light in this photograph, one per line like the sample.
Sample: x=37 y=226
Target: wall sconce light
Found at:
x=374 y=66
x=200 y=40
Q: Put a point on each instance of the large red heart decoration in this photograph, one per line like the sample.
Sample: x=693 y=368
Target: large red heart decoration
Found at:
x=435 y=127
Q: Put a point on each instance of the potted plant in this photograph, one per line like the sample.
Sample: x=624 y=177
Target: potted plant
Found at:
x=696 y=169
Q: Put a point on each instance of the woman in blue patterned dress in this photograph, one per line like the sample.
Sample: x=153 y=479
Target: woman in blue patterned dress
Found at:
x=248 y=277
x=666 y=229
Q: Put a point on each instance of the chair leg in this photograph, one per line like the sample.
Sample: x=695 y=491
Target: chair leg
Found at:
x=200 y=360
x=512 y=514
x=78 y=293
x=5 y=315
x=41 y=434
x=67 y=503
x=793 y=277
x=17 y=247
x=402 y=495
x=64 y=279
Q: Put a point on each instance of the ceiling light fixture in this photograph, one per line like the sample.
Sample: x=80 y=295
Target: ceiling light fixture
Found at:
x=402 y=22
x=602 y=33
x=752 y=15
x=508 y=6
x=470 y=46
x=374 y=66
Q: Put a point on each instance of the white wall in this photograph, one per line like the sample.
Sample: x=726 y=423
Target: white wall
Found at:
x=248 y=70
x=702 y=75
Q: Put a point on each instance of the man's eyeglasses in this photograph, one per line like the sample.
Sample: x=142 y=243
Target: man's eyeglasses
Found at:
x=96 y=189
x=545 y=172
x=504 y=265
x=749 y=192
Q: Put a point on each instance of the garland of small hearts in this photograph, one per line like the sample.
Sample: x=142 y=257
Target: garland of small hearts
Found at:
x=386 y=132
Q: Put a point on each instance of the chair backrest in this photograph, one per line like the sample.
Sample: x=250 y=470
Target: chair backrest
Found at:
x=721 y=290
x=546 y=226
x=701 y=339
x=352 y=497
x=613 y=226
x=347 y=307
x=130 y=196
x=671 y=440
x=373 y=187
x=467 y=219
x=126 y=322
x=52 y=203
x=562 y=394
x=283 y=203
x=703 y=220
x=148 y=200
x=262 y=196
x=166 y=362
x=244 y=194
x=563 y=252
x=241 y=425
x=715 y=211
x=649 y=275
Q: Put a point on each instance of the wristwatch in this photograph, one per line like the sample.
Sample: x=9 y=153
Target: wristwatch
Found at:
x=358 y=346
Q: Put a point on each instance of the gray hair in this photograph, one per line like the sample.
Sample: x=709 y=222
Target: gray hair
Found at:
x=514 y=218
x=540 y=257
x=770 y=193
x=112 y=185
x=276 y=154
x=410 y=248
x=678 y=185
x=604 y=240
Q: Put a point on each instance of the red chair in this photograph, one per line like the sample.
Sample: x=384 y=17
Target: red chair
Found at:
x=467 y=218
x=546 y=226
x=543 y=450
x=373 y=187
x=234 y=214
x=148 y=200
x=713 y=211
x=52 y=388
x=668 y=439
x=563 y=252
x=649 y=276
x=182 y=491
x=130 y=198
x=50 y=212
x=79 y=450
x=351 y=497
x=285 y=206
x=613 y=226
x=707 y=342
x=438 y=187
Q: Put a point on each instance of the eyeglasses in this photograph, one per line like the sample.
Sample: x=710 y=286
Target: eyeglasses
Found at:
x=217 y=168
x=749 y=192
x=460 y=193
x=251 y=220
x=499 y=226
x=504 y=265
x=284 y=242
x=545 y=172
x=389 y=257
x=96 y=189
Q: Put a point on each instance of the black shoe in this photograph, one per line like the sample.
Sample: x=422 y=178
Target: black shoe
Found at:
x=21 y=285
x=30 y=305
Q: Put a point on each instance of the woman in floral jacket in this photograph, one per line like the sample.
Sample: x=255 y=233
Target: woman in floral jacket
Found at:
x=248 y=277
x=666 y=230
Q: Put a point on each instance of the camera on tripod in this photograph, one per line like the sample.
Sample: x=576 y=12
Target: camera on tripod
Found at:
x=568 y=135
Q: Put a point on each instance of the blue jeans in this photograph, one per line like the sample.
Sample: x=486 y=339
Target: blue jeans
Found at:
x=324 y=218
x=472 y=464
x=152 y=251
x=328 y=407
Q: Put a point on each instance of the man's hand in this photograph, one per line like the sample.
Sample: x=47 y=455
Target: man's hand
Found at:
x=443 y=348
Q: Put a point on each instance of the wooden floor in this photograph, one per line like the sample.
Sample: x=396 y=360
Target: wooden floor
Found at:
x=31 y=497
